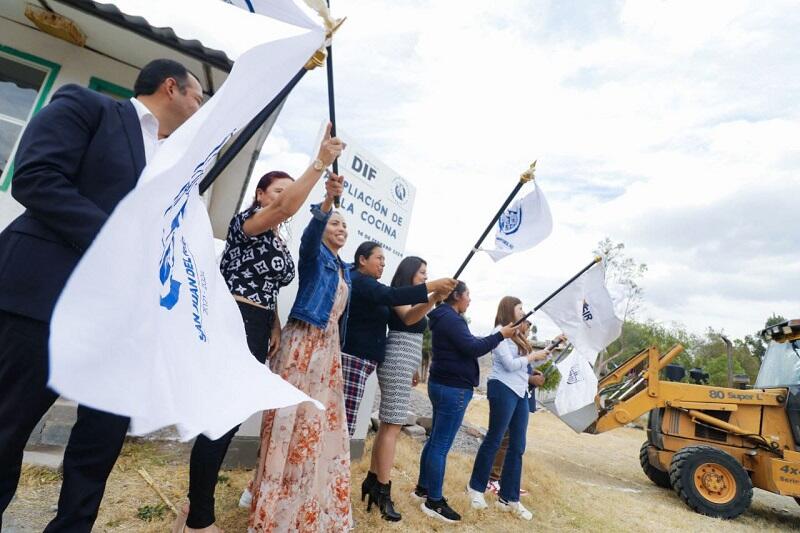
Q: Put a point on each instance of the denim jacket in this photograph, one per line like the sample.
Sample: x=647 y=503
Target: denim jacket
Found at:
x=318 y=270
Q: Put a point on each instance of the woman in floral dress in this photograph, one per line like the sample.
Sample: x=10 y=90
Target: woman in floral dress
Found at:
x=302 y=482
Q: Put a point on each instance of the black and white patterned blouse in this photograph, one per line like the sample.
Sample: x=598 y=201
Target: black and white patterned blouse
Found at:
x=255 y=267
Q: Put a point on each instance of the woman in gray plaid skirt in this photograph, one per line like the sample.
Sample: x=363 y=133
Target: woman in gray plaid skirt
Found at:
x=397 y=374
x=371 y=306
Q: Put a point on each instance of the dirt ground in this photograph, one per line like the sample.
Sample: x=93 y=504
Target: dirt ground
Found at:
x=576 y=483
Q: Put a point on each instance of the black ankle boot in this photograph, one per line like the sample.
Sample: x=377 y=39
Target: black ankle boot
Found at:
x=369 y=482
x=381 y=495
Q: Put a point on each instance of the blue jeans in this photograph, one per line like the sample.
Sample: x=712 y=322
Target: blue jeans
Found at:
x=507 y=411
x=449 y=406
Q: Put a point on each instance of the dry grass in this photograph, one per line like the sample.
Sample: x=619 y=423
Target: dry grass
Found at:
x=577 y=483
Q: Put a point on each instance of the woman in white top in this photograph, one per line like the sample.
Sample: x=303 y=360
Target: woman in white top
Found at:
x=507 y=391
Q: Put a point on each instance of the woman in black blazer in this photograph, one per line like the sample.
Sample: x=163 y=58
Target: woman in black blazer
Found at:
x=370 y=307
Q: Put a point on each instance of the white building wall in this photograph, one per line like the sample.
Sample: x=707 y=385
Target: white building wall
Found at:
x=77 y=65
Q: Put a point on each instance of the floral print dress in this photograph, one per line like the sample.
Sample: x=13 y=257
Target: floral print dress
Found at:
x=302 y=482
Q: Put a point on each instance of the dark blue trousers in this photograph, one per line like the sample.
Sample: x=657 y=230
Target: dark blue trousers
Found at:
x=94 y=443
x=449 y=405
x=507 y=411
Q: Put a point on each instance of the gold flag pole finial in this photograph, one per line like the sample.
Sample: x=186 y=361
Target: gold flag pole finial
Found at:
x=324 y=11
x=316 y=60
x=335 y=25
x=528 y=175
x=319 y=57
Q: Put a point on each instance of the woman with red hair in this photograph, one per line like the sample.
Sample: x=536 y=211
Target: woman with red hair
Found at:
x=255 y=264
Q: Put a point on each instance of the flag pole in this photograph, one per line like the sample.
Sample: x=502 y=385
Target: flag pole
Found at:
x=524 y=178
x=596 y=260
x=316 y=60
x=332 y=107
x=248 y=132
x=560 y=357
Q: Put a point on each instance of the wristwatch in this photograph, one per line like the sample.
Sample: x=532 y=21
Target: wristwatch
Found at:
x=318 y=165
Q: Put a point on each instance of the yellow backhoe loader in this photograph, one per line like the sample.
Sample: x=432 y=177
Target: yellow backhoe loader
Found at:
x=712 y=445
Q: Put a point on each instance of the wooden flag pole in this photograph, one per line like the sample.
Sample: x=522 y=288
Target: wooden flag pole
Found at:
x=596 y=260
x=523 y=179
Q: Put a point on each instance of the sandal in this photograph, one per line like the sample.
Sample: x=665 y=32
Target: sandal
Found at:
x=179 y=526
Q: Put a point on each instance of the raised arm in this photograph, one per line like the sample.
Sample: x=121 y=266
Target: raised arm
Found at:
x=540 y=357
x=312 y=235
x=377 y=292
x=472 y=346
x=411 y=314
x=293 y=196
x=396 y=296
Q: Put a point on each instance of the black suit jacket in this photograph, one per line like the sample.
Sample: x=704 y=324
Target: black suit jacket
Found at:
x=78 y=157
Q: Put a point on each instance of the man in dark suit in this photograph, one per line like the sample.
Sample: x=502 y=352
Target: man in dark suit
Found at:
x=76 y=160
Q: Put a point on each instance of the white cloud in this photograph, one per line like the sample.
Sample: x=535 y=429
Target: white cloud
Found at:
x=651 y=121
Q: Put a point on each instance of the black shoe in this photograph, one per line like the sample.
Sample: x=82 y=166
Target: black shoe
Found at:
x=366 y=486
x=420 y=494
x=439 y=509
x=381 y=495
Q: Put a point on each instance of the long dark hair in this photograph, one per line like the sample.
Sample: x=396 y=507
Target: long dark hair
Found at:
x=406 y=270
x=265 y=181
x=364 y=250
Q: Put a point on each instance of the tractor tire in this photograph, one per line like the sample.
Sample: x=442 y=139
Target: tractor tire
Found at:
x=711 y=481
x=656 y=475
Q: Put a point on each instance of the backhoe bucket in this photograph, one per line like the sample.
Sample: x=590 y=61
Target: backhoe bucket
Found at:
x=577 y=420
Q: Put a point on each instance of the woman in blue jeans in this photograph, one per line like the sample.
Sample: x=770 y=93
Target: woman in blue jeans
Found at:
x=454 y=373
x=507 y=391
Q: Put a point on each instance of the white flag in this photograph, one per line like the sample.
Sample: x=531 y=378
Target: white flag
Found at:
x=283 y=10
x=146 y=326
x=526 y=223
x=578 y=385
x=585 y=313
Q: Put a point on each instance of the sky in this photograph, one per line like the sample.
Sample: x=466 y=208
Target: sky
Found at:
x=671 y=127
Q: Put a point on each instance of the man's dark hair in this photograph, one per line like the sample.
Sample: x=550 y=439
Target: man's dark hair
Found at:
x=155 y=72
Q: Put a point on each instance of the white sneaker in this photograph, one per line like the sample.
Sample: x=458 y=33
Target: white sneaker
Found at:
x=515 y=507
x=246 y=499
x=476 y=499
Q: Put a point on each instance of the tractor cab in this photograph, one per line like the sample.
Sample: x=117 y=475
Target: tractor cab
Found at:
x=781 y=368
x=781 y=364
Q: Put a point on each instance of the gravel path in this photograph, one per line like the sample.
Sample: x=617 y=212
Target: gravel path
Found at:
x=421 y=406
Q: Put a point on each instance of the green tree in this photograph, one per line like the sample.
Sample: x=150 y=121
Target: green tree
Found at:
x=755 y=343
x=710 y=353
x=427 y=352
x=626 y=273
x=707 y=351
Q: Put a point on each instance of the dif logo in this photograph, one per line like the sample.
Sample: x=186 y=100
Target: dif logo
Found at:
x=362 y=167
x=400 y=190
